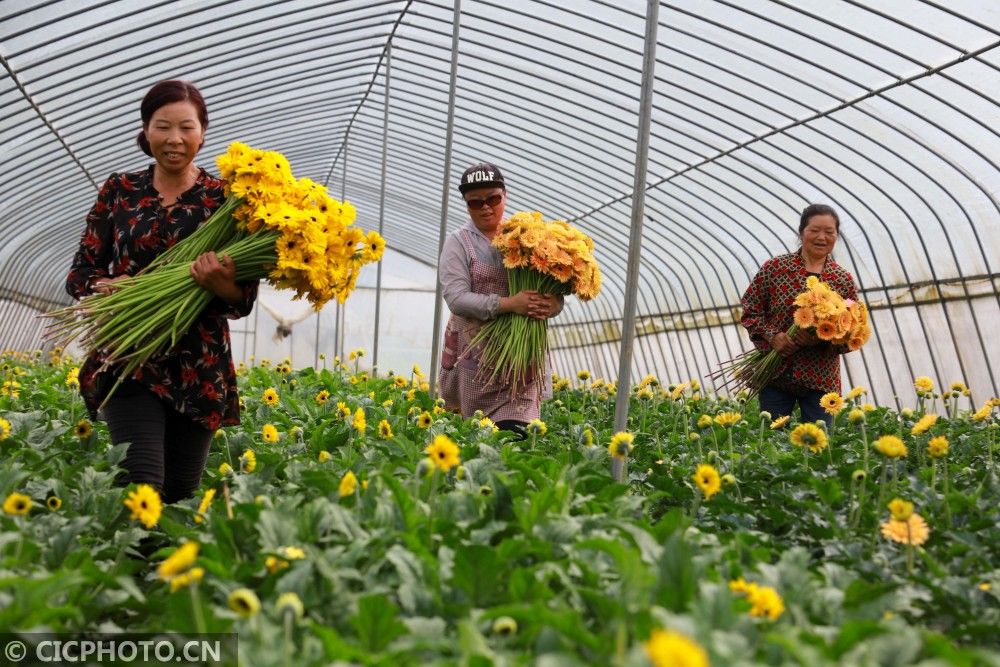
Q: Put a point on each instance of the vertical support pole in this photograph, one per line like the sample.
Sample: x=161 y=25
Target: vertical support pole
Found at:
x=619 y=467
x=436 y=345
x=256 y=325
x=381 y=200
x=316 y=344
x=338 y=331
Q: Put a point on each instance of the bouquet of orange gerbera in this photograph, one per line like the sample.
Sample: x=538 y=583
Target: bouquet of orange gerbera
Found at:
x=819 y=309
x=549 y=257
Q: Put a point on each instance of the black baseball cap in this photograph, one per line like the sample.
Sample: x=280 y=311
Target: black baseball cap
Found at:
x=482 y=175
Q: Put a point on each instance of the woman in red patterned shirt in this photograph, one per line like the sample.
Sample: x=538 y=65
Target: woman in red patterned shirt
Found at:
x=811 y=367
x=169 y=409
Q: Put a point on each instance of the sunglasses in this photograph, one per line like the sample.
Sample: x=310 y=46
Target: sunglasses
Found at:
x=492 y=201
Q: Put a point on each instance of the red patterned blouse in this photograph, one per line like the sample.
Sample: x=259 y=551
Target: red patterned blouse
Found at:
x=768 y=307
x=126 y=229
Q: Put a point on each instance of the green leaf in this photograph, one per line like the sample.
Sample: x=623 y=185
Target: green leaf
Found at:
x=477 y=573
x=376 y=622
x=678 y=577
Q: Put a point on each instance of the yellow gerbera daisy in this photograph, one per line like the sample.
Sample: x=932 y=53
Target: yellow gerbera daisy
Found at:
x=809 y=435
x=206 y=502
x=270 y=433
x=728 y=419
x=832 y=403
x=780 y=422
x=185 y=579
x=937 y=447
x=290 y=602
x=348 y=484
x=17 y=504
x=536 y=427
x=505 y=626
x=270 y=396
x=708 y=480
x=923 y=424
x=443 y=452
x=666 y=648
x=766 y=602
x=359 y=423
x=244 y=602
x=621 y=444
x=856 y=392
x=900 y=509
x=145 y=505
x=384 y=429
x=83 y=429
x=425 y=420
x=248 y=461
x=891 y=446
x=179 y=561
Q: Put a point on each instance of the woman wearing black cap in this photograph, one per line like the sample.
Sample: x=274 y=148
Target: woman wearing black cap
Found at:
x=474 y=282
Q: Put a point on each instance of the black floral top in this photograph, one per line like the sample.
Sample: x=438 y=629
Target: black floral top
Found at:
x=126 y=229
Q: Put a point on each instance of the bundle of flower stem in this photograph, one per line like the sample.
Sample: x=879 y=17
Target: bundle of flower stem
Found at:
x=272 y=226
x=547 y=257
x=819 y=309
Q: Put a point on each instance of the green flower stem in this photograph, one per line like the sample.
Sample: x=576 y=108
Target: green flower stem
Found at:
x=215 y=232
x=152 y=310
x=514 y=347
x=909 y=549
x=862 y=496
x=199 y=617
x=864 y=439
x=881 y=483
x=288 y=619
x=732 y=451
x=947 y=489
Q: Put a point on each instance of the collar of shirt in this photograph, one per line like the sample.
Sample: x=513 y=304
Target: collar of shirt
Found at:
x=199 y=182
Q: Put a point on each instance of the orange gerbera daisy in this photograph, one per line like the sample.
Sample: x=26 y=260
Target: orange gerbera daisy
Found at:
x=804 y=318
x=826 y=330
x=912 y=531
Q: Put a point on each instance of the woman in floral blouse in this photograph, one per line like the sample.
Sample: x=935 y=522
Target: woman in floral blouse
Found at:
x=811 y=366
x=170 y=407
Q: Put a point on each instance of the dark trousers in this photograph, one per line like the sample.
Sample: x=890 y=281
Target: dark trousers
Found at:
x=514 y=426
x=780 y=403
x=167 y=450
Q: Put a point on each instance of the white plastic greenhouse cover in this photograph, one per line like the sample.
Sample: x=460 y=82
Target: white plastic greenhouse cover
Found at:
x=886 y=109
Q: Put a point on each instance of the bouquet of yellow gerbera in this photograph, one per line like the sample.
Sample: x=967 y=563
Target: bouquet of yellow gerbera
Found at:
x=271 y=225
x=820 y=309
x=549 y=257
